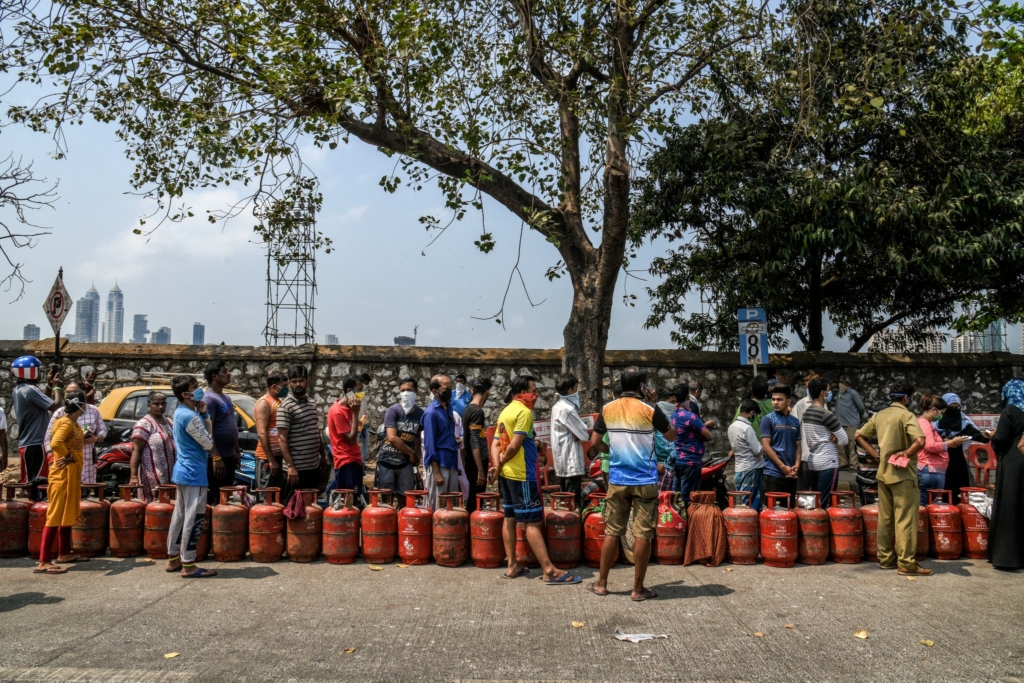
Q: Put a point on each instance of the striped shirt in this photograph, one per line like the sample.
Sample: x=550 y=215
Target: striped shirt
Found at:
x=630 y=425
x=819 y=426
x=303 y=424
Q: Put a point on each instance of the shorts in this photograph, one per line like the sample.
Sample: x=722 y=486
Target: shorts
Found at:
x=521 y=500
x=644 y=502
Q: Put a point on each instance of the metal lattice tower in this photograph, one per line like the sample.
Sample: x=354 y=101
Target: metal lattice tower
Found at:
x=291 y=285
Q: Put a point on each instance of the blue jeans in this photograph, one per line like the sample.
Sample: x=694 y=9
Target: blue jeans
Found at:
x=687 y=478
x=824 y=482
x=750 y=481
x=930 y=480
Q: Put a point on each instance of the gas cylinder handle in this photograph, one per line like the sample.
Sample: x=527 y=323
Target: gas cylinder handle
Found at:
x=449 y=499
x=12 y=490
x=733 y=495
x=777 y=497
x=486 y=501
x=563 y=501
x=941 y=494
x=127 y=490
x=163 y=493
x=872 y=491
x=842 y=499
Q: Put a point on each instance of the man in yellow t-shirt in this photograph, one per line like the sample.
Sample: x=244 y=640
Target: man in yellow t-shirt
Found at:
x=515 y=453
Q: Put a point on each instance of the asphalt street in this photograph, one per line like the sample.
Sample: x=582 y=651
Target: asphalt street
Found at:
x=115 y=620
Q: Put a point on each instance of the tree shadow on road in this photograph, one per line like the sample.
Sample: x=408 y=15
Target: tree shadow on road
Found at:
x=955 y=567
x=677 y=590
x=19 y=600
x=257 y=572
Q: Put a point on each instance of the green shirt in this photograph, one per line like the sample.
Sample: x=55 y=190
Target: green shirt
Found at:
x=896 y=429
x=765 y=408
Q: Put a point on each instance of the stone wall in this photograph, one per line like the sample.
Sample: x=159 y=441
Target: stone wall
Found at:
x=977 y=378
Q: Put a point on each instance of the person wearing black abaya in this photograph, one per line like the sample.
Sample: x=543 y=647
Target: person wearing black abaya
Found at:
x=954 y=423
x=1006 y=528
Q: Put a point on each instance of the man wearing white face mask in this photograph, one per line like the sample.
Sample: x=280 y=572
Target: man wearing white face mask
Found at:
x=568 y=432
x=461 y=395
x=399 y=452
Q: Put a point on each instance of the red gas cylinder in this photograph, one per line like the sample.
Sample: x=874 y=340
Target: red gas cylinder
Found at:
x=90 y=533
x=14 y=522
x=563 y=530
x=944 y=521
x=778 y=531
x=380 y=528
x=670 y=531
x=923 y=528
x=341 y=528
x=846 y=527
x=415 y=529
x=266 y=527
x=127 y=524
x=158 y=523
x=975 y=541
x=205 y=538
x=812 y=529
x=230 y=527
x=593 y=530
x=36 y=523
x=741 y=529
x=869 y=513
x=451 y=531
x=304 y=536
x=486 y=546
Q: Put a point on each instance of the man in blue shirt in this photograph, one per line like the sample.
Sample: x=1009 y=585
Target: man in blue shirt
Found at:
x=224 y=430
x=440 y=450
x=780 y=437
x=195 y=452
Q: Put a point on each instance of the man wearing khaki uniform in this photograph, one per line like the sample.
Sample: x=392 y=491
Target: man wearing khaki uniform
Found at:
x=899 y=438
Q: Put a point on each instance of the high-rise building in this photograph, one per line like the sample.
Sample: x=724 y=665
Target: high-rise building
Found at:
x=993 y=339
x=968 y=342
x=331 y=340
x=162 y=336
x=31 y=332
x=113 y=325
x=198 y=334
x=140 y=328
x=87 y=317
x=894 y=341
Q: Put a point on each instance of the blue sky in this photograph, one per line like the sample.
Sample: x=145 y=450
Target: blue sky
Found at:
x=377 y=283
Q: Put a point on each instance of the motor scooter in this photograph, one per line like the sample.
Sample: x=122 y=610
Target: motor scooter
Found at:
x=712 y=478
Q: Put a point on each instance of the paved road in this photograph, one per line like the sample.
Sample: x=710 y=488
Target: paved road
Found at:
x=114 y=620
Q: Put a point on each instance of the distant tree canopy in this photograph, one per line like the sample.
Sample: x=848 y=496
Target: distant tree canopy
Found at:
x=868 y=170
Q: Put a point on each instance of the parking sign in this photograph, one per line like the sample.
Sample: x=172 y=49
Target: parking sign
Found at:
x=753 y=328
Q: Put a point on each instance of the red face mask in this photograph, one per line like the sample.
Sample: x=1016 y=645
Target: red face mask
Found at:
x=527 y=399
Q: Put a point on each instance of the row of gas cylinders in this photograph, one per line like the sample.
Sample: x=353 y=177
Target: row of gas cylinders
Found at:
x=783 y=536
x=450 y=536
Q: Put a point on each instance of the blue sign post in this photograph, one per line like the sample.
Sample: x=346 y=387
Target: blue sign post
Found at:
x=753 y=327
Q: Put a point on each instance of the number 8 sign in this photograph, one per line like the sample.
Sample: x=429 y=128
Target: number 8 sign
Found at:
x=753 y=329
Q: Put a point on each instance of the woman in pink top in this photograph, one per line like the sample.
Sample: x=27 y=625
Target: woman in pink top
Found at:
x=933 y=459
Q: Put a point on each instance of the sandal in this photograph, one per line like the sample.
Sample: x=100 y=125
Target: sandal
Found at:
x=651 y=593
x=49 y=570
x=592 y=587
x=200 y=574
x=76 y=558
x=565 y=579
x=522 y=572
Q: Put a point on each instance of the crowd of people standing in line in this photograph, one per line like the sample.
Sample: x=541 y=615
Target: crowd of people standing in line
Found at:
x=647 y=439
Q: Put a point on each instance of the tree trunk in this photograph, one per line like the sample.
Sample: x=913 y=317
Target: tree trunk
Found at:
x=586 y=334
x=815 y=307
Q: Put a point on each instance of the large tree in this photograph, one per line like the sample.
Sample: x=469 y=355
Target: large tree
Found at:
x=546 y=107
x=848 y=178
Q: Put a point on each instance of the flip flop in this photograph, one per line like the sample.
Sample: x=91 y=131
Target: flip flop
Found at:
x=565 y=579
x=49 y=570
x=200 y=574
x=651 y=593
x=78 y=558
x=522 y=571
x=592 y=587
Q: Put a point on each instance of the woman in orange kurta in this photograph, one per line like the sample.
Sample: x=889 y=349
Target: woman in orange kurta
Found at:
x=64 y=486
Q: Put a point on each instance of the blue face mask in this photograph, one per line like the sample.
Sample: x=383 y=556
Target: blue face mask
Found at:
x=198 y=394
x=574 y=398
x=828 y=397
x=282 y=392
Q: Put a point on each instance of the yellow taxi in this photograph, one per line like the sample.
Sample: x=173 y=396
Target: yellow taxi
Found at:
x=121 y=408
